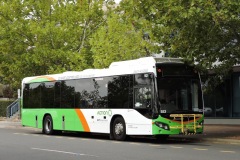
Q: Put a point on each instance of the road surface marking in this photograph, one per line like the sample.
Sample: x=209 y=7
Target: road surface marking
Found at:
x=227 y=151
x=135 y=143
x=176 y=147
x=64 y=152
x=26 y=134
x=101 y=140
x=58 y=137
x=116 y=142
x=84 y=139
x=155 y=145
x=200 y=149
x=71 y=138
x=235 y=143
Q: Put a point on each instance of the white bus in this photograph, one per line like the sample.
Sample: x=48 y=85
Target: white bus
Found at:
x=145 y=96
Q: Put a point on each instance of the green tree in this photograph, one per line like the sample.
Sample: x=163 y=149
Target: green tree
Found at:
x=206 y=32
x=45 y=37
x=117 y=40
x=122 y=37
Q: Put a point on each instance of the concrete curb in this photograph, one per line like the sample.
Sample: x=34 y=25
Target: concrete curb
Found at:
x=222 y=140
x=196 y=139
x=9 y=124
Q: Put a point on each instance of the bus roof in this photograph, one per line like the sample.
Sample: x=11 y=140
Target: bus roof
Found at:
x=141 y=65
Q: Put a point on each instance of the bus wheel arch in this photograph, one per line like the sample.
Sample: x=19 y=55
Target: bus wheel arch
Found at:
x=47 y=127
x=118 y=128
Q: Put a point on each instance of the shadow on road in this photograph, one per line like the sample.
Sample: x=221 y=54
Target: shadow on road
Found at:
x=133 y=139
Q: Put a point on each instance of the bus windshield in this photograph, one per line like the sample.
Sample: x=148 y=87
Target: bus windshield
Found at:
x=179 y=93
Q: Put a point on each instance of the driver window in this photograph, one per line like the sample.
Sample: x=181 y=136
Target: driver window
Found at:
x=143 y=97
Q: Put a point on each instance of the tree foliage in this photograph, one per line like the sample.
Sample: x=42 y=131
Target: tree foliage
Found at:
x=206 y=32
x=52 y=36
x=117 y=40
x=44 y=37
x=124 y=36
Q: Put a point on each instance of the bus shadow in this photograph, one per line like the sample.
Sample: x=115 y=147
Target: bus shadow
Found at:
x=191 y=140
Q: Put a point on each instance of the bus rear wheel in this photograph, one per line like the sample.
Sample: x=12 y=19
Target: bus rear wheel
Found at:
x=119 y=129
x=48 y=125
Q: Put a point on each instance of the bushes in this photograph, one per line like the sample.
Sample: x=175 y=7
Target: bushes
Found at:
x=3 y=107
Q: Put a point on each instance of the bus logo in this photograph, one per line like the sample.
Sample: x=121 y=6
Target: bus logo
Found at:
x=105 y=113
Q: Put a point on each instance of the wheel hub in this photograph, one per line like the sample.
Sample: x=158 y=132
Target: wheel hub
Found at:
x=48 y=125
x=119 y=128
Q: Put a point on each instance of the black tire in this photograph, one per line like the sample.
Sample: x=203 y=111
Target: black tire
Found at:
x=119 y=129
x=48 y=125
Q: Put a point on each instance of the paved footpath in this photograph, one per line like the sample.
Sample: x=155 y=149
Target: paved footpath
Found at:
x=218 y=134
x=212 y=133
x=222 y=133
x=10 y=124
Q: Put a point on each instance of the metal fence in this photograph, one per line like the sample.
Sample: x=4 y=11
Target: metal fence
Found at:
x=13 y=108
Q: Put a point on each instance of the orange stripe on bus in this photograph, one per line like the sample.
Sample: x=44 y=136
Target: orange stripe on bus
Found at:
x=82 y=120
x=46 y=77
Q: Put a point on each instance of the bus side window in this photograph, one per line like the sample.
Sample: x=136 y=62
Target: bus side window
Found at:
x=118 y=92
x=57 y=95
x=26 y=96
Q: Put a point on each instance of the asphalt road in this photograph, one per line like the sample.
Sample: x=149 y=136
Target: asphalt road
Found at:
x=31 y=144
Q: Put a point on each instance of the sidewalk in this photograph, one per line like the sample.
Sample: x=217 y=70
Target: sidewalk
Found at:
x=221 y=133
x=212 y=133
x=10 y=124
x=228 y=134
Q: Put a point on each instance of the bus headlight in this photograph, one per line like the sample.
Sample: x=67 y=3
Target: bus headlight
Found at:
x=201 y=123
x=162 y=125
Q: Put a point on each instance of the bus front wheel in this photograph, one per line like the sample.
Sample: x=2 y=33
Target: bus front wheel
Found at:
x=48 y=125
x=119 y=129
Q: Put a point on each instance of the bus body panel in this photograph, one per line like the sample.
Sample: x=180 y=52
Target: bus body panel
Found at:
x=99 y=118
x=63 y=119
x=179 y=127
